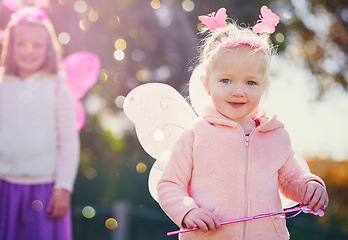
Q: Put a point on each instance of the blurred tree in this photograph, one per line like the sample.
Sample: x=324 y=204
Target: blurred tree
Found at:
x=317 y=32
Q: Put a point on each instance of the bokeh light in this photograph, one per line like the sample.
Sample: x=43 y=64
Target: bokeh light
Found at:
x=88 y=212
x=84 y=25
x=141 y=167
x=120 y=44
x=103 y=75
x=119 y=101
x=119 y=55
x=200 y=26
x=188 y=201
x=111 y=223
x=80 y=6
x=114 y=21
x=90 y=173
x=142 y=75
x=64 y=38
x=137 y=55
x=158 y=135
x=155 y=4
x=93 y=16
x=162 y=73
x=37 y=205
x=279 y=37
x=187 y=5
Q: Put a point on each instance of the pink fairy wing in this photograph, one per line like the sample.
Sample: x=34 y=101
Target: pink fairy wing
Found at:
x=80 y=114
x=82 y=69
x=11 y=4
x=160 y=114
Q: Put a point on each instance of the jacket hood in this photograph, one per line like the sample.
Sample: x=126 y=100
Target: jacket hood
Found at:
x=211 y=115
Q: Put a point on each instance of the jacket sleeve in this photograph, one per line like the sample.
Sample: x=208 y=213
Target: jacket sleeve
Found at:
x=68 y=143
x=173 y=187
x=294 y=175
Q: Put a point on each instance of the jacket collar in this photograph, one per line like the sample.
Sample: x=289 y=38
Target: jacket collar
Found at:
x=211 y=115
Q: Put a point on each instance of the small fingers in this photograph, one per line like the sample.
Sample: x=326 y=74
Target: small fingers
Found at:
x=202 y=219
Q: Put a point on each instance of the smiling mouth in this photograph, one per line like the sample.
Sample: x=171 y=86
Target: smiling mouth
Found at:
x=237 y=104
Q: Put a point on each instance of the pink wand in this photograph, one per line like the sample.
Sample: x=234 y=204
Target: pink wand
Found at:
x=300 y=209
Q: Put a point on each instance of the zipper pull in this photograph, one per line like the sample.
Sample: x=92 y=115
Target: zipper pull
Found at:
x=246 y=141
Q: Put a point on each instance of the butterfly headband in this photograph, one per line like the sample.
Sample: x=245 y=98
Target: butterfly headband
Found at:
x=26 y=12
x=266 y=24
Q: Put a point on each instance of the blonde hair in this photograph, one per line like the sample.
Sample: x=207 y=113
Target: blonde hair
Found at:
x=214 y=44
x=54 y=52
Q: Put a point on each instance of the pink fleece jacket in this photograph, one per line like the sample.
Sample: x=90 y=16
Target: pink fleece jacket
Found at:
x=214 y=166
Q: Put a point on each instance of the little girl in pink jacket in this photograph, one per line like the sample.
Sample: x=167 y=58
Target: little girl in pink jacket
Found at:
x=232 y=163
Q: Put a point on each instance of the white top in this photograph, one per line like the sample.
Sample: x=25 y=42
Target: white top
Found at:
x=39 y=141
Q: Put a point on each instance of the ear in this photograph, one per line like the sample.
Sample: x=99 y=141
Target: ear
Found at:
x=205 y=83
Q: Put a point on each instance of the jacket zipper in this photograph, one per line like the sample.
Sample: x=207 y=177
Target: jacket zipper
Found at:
x=246 y=158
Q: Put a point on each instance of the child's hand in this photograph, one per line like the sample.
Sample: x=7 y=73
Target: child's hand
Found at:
x=202 y=219
x=315 y=196
x=59 y=203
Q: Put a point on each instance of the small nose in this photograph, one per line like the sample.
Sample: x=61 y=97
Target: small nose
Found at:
x=27 y=48
x=238 y=91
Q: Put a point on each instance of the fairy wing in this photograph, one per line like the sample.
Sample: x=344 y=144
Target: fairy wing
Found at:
x=82 y=70
x=160 y=114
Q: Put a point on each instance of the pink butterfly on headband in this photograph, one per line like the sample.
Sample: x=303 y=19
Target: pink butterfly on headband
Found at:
x=213 y=21
x=11 y=4
x=268 y=21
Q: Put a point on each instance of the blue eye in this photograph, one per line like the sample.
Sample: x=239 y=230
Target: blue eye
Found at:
x=225 y=80
x=251 y=83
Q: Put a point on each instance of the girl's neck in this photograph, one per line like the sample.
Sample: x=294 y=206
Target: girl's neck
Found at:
x=24 y=75
x=248 y=126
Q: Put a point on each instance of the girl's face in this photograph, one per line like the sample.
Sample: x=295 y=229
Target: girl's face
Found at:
x=236 y=82
x=30 y=48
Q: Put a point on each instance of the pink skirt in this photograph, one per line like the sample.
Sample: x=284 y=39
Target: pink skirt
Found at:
x=23 y=213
